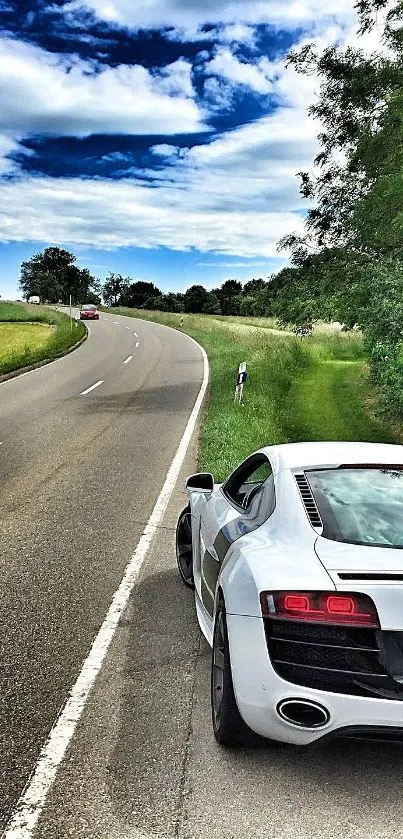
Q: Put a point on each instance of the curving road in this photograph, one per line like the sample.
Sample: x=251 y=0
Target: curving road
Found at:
x=80 y=470
x=80 y=477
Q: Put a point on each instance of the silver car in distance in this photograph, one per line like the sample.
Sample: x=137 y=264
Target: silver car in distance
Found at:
x=297 y=566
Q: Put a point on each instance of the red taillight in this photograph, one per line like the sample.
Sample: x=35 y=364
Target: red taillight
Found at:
x=340 y=605
x=320 y=607
x=296 y=602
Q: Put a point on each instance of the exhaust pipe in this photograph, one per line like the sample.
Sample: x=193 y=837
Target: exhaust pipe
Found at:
x=303 y=713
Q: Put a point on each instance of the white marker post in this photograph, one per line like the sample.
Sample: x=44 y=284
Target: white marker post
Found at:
x=242 y=376
x=71 y=322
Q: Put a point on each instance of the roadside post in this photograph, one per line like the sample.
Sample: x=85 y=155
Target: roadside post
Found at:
x=71 y=322
x=241 y=379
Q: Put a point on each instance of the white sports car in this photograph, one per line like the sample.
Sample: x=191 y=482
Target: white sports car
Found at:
x=298 y=577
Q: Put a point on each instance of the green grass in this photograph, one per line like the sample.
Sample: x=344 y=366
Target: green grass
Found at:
x=30 y=334
x=316 y=388
x=20 y=337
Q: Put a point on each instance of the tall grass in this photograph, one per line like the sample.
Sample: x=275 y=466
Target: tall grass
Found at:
x=315 y=388
x=61 y=338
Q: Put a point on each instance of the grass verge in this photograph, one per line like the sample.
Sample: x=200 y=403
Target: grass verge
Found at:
x=30 y=335
x=317 y=388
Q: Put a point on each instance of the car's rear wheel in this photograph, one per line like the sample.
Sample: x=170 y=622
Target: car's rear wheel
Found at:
x=184 y=548
x=229 y=728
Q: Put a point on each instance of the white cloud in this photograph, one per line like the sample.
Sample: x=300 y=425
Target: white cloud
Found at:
x=238 y=33
x=189 y=16
x=236 y=195
x=7 y=145
x=227 y=66
x=218 y=94
x=175 y=79
x=164 y=150
x=42 y=93
x=107 y=214
x=117 y=157
x=221 y=264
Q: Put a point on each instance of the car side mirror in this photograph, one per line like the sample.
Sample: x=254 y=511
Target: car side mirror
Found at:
x=201 y=482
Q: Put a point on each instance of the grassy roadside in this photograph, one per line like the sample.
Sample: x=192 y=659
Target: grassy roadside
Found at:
x=317 y=388
x=29 y=335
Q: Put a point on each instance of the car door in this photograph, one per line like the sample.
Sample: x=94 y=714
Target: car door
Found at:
x=241 y=505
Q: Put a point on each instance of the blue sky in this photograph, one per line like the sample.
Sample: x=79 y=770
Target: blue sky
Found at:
x=156 y=138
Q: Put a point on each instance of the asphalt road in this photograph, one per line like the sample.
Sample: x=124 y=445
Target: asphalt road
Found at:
x=80 y=474
x=143 y=763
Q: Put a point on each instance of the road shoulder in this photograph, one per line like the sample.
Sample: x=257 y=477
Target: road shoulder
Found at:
x=125 y=771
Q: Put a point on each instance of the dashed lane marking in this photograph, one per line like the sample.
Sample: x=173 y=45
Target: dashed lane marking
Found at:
x=89 y=389
x=32 y=801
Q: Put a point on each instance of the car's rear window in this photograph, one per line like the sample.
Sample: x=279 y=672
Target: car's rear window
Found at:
x=361 y=506
x=89 y=308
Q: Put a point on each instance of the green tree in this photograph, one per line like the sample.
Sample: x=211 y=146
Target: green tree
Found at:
x=212 y=304
x=114 y=289
x=349 y=265
x=229 y=297
x=138 y=293
x=196 y=299
x=252 y=287
x=53 y=276
x=359 y=103
x=172 y=302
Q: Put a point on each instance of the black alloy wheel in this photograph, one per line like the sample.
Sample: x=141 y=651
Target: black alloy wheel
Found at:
x=184 y=549
x=229 y=728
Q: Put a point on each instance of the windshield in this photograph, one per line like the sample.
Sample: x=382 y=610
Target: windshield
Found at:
x=360 y=506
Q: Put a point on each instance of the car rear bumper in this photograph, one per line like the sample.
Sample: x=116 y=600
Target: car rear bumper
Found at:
x=259 y=690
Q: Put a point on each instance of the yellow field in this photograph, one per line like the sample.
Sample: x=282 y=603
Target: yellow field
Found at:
x=16 y=338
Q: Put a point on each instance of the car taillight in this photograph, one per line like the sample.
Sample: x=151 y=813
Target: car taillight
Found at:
x=320 y=607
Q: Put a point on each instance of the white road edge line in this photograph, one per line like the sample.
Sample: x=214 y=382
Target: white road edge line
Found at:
x=134 y=333
x=137 y=345
x=32 y=801
x=116 y=323
x=84 y=392
x=129 y=358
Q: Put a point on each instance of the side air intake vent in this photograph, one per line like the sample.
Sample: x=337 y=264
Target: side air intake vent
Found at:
x=309 y=501
x=380 y=577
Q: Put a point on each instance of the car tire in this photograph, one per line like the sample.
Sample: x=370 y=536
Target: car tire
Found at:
x=229 y=728
x=184 y=547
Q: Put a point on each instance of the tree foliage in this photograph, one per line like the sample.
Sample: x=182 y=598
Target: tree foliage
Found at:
x=349 y=264
x=114 y=289
x=138 y=294
x=54 y=276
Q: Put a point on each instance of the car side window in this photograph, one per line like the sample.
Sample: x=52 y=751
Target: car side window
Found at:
x=260 y=475
x=246 y=481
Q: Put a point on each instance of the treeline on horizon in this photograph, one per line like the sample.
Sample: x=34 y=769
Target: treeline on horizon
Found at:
x=53 y=276
x=231 y=298
x=348 y=265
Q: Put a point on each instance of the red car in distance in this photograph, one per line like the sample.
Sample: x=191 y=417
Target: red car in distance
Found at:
x=89 y=312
